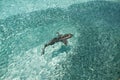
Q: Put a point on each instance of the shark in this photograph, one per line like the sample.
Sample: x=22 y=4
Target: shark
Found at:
x=59 y=38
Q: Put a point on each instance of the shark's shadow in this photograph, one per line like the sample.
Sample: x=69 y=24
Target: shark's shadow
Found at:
x=61 y=50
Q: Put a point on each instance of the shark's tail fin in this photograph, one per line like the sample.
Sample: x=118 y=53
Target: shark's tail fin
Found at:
x=43 y=50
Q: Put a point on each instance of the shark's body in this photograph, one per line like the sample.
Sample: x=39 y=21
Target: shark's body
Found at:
x=60 y=38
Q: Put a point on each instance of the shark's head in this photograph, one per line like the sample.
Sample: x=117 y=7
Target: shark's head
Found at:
x=67 y=36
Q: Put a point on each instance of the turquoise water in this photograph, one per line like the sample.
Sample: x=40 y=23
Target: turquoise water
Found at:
x=93 y=53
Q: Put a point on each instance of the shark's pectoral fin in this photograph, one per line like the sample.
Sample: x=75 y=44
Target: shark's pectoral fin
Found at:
x=65 y=42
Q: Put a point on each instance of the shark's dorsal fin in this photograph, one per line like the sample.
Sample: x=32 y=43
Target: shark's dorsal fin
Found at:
x=58 y=34
x=65 y=41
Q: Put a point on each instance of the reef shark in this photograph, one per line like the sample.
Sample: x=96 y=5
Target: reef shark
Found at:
x=59 y=38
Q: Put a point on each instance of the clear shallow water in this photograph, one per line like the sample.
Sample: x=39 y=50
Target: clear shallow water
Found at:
x=92 y=54
x=8 y=8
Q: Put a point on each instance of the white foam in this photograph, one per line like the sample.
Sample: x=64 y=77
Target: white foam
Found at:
x=32 y=66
